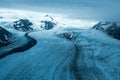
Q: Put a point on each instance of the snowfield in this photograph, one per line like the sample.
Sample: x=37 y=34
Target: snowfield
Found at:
x=66 y=52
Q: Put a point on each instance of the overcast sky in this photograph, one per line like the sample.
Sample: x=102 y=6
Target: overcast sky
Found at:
x=81 y=9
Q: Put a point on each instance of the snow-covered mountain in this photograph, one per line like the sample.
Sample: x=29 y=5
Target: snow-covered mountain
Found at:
x=9 y=15
x=48 y=25
x=23 y=25
x=111 y=28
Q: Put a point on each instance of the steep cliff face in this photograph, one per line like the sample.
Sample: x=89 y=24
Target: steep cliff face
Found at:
x=5 y=37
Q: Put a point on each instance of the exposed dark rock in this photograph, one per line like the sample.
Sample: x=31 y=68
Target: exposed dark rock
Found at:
x=1 y=17
x=31 y=42
x=69 y=36
x=48 y=25
x=102 y=26
x=111 y=28
x=23 y=25
x=5 y=37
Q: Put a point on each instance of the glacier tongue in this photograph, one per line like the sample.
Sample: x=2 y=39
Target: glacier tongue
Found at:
x=92 y=55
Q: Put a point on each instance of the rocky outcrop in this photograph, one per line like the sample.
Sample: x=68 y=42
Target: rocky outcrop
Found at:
x=111 y=28
x=48 y=25
x=5 y=37
x=23 y=25
x=29 y=44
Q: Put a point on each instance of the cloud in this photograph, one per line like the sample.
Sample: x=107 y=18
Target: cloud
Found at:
x=92 y=9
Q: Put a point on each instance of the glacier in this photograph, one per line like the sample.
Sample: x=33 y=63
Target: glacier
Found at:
x=80 y=54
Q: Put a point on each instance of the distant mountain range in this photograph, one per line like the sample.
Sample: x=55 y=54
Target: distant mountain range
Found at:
x=110 y=28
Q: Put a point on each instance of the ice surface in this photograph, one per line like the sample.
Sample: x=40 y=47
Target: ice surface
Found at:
x=91 y=56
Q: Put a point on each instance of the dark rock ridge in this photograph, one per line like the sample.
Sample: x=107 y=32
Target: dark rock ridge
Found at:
x=111 y=28
x=48 y=25
x=5 y=37
x=23 y=25
x=69 y=36
x=31 y=42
